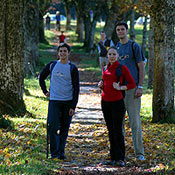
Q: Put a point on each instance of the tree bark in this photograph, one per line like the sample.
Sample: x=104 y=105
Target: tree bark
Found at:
x=132 y=23
x=92 y=33
x=87 y=24
x=151 y=56
x=11 y=56
x=42 y=38
x=31 y=37
x=163 y=15
x=80 y=25
x=111 y=18
x=144 y=38
x=68 y=16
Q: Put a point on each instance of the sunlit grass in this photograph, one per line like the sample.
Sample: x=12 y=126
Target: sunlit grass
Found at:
x=49 y=35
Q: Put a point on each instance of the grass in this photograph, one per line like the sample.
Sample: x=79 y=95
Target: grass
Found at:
x=23 y=149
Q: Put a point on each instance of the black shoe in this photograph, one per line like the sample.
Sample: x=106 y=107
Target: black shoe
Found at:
x=112 y=162
x=120 y=163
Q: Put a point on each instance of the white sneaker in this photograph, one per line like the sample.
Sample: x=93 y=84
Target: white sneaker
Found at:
x=141 y=157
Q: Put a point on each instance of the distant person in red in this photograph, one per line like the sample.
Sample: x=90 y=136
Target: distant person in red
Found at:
x=62 y=37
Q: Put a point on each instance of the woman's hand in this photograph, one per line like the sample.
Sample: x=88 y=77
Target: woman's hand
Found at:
x=101 y=84
x=116 y=86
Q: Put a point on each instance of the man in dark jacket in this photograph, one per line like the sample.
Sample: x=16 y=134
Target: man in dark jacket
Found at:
x=63 y=94
x=103 y=47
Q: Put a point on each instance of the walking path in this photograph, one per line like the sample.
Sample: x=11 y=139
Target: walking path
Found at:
x=87 y=144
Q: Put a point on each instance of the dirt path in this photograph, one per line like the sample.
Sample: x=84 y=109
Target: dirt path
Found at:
x=87 y=145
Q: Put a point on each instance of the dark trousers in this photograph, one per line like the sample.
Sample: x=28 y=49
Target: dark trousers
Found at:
x=58 y=126
x=114 y=113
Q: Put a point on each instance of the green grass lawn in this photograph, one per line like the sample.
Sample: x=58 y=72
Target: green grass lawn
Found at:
x=23 y=149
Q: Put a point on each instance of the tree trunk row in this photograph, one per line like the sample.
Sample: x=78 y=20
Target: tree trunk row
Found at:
x=11 y=56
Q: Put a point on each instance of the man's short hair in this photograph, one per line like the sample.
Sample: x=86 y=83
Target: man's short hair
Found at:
x=122 y=23
x=103 y=32
x=63 y=45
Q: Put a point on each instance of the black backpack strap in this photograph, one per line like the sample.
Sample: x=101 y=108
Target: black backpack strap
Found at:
x=71 y=66
x=101 y=45
x=118 y=71
x=133 y=52
x=52 y=65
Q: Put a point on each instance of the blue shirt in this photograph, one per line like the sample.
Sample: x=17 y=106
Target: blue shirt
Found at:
x=126 y=57
x=61 y=82
x=58 y=18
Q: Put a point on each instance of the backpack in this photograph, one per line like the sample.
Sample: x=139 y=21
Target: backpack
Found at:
x=118 y=73
x=133 y=52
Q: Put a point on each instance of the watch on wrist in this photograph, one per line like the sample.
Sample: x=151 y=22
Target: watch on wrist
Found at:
x=140 y=87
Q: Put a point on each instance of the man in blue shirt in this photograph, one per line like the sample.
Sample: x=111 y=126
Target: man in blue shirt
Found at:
x=58 y=21
x=63 y=94
x=135 y=65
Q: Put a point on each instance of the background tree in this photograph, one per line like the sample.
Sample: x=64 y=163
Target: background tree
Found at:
x=68 y=5
x=112 y=12
x=43 y=6
x=31 y=37
x=11 y=56
x=80 y=23
x=144 y=36
x=163 y=15
x=92 y=12
x=151 y=55
x=132 y=21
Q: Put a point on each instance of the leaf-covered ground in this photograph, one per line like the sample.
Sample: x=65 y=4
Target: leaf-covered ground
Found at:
x=23 y=149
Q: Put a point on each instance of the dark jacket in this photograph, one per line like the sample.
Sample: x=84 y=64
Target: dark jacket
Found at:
x=75 y=81
x=103 y=48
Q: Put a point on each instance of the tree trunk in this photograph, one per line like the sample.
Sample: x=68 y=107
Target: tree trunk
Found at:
x=92 y=33
x=80 y=27
x=144 y=45
x=31 y=37
x=87 y=24
x=163 y=13
x=132 y=23
x=151 y=56
x=68 y=16
x=11 y=56
x=42 y=38
x=111 y=19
